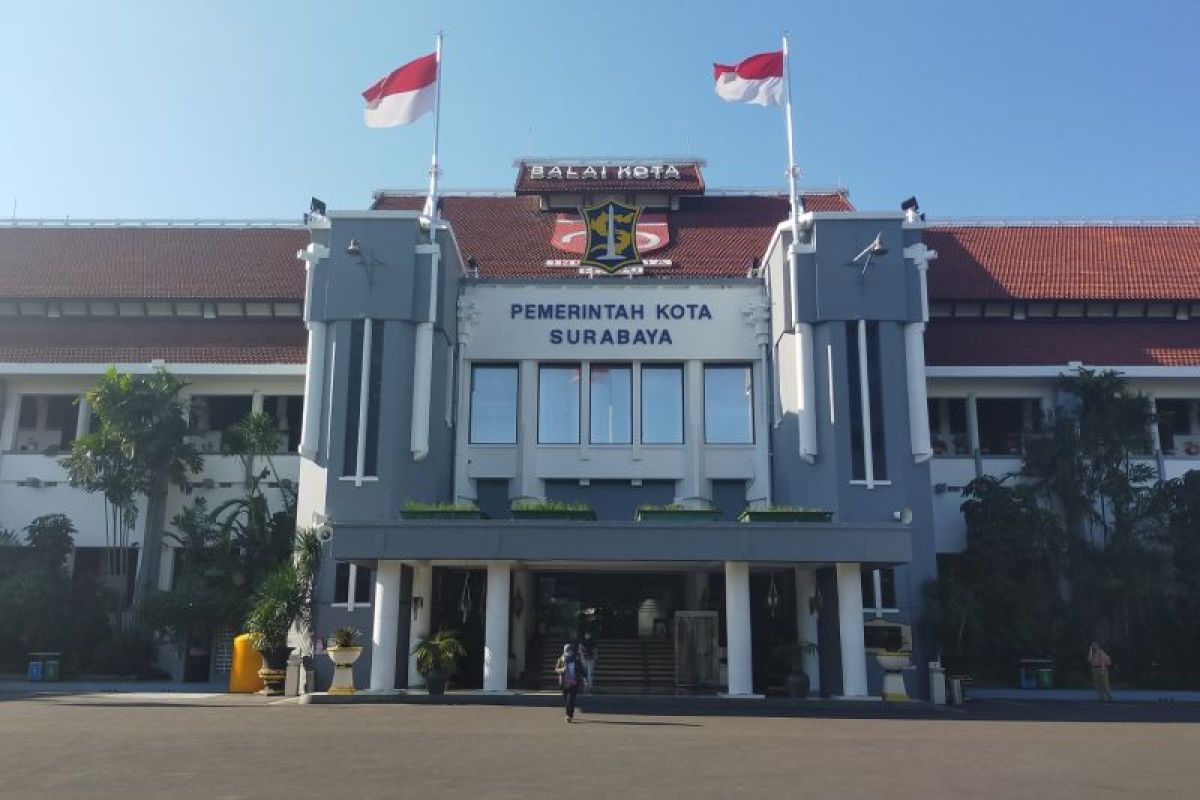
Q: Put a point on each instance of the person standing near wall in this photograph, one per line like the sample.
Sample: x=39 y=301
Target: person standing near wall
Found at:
x=587 y=652
x=1100 y=662
x=571 y=675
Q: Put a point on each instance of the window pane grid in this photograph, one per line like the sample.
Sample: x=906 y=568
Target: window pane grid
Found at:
x=611 y=404
x=558 y=404
x=662 y=404
x=728 y=405
x=494 y=404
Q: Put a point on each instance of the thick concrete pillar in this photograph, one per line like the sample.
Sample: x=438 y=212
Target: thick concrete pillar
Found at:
x=850 y=626
x=523 y=583
x=495 y=637
x=385 y=632
x=422 y=610
x=806 y=623
x=737 y=628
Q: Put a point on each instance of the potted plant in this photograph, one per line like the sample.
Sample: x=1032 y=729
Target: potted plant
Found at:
x=415 y=510
x=676 y=513
x=277 y=606
x=552 y=509
x=785 y=514
x=792 y=657
x=343 y=651
x=437 y=656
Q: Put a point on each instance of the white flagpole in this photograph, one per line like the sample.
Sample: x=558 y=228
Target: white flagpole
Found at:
x=435 y=171
x=797 y=203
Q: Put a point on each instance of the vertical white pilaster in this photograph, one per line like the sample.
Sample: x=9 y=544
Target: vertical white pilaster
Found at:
x=422 y=587
x=806 y=391
x=1152 y=426
x=385 y=633
x=314 y=382
x=737 y=628
x=692 y=490
x=256 y=401
x=495 y=647
x=12 y=416
x=973 y=424
x=83 y=418
x=527 y=483
x=806 y=623
x=850 y=625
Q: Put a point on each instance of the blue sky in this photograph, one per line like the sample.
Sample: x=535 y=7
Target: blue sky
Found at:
x=244 y=109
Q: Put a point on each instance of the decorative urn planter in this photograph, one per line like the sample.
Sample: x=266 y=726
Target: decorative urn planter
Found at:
x=343 y=659
x=435 y=682
x=274 y=669
x=798 y=684
x=893 y=665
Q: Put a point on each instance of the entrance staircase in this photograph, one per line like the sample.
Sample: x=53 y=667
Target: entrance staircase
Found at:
x=623 y=666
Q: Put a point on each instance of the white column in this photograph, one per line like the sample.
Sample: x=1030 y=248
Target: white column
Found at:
x=806 y=391
x=918 y=399
x=495 y=637
x=972 y=424
x=83 y=418
x=8 y=428
x=692 y=486
x=256 y=402
x=806 y=623
x=850 y=625
x=314 y=383
x=737 y=629
x=385 y=632
x=422 y=610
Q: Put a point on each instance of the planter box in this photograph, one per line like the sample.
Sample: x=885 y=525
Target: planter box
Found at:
x=460 y=513
x=585 y=515
x=785 y=516
x=677 y=515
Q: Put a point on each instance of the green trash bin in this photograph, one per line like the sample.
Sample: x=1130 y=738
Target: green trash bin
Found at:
x=50 y=666
x=1045 y=678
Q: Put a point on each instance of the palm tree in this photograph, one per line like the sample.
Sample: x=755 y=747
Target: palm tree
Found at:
x=138 y=449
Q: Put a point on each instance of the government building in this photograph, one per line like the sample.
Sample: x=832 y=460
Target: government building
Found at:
x=612 y=402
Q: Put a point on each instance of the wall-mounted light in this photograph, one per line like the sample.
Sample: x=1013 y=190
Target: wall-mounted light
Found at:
x=518 y=603
x=418 y=603
x=354 y=248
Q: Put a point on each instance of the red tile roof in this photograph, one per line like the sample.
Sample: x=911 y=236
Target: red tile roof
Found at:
x=711 y=237
x=152 y=262
x=136 y=341
x=1065 y=262
x=1118 y=343
x=689 y=182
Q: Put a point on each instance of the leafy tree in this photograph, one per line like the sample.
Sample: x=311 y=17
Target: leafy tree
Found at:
x=138 y=449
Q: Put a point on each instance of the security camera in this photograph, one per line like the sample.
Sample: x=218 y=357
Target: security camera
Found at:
x=903 y=516
x=354 y=248
x=325 y=534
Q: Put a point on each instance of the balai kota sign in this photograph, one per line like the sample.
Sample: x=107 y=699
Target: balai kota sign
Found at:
x=651 y=175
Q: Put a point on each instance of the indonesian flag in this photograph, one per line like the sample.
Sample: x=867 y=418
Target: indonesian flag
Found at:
x=757 y=80
x=404 y=96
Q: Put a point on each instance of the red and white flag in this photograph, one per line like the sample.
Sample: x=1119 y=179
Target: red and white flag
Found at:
x=404 y=96
x=757 y=80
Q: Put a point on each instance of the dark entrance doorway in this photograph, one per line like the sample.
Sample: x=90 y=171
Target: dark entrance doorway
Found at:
x=608 y=605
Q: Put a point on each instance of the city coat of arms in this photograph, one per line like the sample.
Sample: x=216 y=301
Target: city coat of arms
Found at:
x=611 y=236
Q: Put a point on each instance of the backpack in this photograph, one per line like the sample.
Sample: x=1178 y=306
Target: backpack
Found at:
x=568 y=677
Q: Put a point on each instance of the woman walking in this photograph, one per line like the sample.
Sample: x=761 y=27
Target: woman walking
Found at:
x=1100 y=662
x=571 y=675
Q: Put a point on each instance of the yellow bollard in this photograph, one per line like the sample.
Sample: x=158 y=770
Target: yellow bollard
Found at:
x=243 y=674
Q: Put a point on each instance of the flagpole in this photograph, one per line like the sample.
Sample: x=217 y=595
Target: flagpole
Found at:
x=435 y=171
x=797 y=204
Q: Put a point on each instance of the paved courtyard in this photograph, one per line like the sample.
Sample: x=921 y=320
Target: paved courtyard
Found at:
x=182 y=746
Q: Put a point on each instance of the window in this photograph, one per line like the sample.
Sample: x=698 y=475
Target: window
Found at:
x=879 y=590
x=611 y=403
x=728 y=405
x=363 y=399
x=287 y=411
x=47 y=422
x=1179 y=426
x=948 y=426
x=351 y=585
x=558 y=404
x=493 y=404
x=662 y=404
x=1003 y=423
x=866 y=420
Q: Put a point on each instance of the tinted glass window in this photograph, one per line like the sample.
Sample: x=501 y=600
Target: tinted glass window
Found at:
x=558 y=404
x=494 y=404
x=612 y=398
x=728 y=397
x=662 y=404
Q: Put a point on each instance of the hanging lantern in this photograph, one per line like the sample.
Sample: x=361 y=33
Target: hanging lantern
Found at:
x=773 y=598
x=518 y=603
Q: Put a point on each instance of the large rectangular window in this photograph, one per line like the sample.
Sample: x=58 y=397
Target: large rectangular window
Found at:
x=351 y=585
x=363 y=399
x=1004 y=422
x=46 y=423
x=879 y=590
x=1179 y=426
x=611 y=403
x=558 y=404
x=948 y=426
x=494 y=404
x=728 y=404
x=662 y=404
x=864 y=351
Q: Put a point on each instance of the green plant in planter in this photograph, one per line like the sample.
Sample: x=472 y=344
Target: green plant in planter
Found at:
x=676 y=513
x=551 y=509
x=785 y=514
x=437 y=655
x=344 y=637
x=791 y=657
x=284 y=599
x=417 y=510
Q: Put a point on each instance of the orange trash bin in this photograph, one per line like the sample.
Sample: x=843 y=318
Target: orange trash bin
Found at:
x=243 y=674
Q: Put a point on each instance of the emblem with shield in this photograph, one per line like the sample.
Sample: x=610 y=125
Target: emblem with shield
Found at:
x=611 y=236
